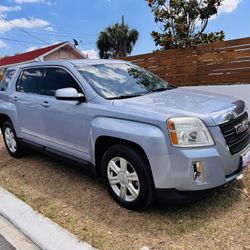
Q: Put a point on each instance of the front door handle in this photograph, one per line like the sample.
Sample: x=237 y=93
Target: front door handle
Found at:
x=45 y=104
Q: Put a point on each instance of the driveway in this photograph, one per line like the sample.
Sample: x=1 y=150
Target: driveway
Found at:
x=237 y=91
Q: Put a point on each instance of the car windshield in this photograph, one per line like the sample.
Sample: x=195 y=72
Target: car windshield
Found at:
x=121 y=80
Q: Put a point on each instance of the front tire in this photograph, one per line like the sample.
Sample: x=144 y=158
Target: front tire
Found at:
x=11 y=141
x=127 y=177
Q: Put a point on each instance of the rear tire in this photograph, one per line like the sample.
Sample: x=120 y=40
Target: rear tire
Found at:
x=11 y=141
x=127 y=177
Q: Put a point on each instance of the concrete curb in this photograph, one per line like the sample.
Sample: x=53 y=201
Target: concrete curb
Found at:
x=42 y=231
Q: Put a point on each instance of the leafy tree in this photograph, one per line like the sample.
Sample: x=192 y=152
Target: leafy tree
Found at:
x=183 y=22
x=143 y=79
x=117 y=41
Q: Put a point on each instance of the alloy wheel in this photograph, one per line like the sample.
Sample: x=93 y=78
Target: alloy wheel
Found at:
x=123 y=179
x=10 y=140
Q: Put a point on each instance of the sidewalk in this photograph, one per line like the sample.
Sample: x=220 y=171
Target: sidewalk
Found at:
x=22 y=228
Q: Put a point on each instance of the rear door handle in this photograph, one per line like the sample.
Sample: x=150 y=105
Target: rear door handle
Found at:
x=15 y=98
x=45 y=104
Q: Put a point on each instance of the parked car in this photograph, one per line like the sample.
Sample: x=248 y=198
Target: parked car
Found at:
x=147 y=138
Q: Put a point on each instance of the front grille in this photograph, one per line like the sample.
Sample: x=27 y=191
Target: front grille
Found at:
x=236 y=142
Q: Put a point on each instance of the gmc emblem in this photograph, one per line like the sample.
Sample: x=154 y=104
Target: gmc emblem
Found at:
x=240 y=128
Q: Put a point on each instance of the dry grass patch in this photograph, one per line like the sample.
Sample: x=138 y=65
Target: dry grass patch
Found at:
x=79 y=203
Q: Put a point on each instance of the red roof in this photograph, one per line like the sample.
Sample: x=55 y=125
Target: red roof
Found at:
x=28 y=56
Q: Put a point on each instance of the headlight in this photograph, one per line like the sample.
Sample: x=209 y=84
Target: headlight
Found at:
x=189 y=132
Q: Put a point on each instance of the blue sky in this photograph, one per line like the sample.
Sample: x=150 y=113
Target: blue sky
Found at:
x=30 y=24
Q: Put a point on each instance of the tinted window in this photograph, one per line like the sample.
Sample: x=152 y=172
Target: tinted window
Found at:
x=57 y=78
x=6 y=80
x=32 y=81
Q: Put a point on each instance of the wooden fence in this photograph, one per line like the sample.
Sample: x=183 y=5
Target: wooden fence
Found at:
x=219 y=63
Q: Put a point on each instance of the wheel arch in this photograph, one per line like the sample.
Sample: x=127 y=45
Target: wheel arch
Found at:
x=104 y=142
x=3 y=119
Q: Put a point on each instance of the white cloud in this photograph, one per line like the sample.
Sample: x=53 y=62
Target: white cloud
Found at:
x=4 y=9
x=228 y=6
x=49 y=28
x=3 y=45
x=28 y=1
x=30 y=23
x=33 y=1
x=31 y=48
x=92 y=54
x=22 y=23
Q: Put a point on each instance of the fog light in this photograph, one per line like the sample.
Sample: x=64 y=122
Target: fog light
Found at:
x=199 y=176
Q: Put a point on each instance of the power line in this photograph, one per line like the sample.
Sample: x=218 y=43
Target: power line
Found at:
x=31 y=34
x=28 y=33
x=19 y=41
x=33 y=43
x=59 y=34
x=71 y=31
x=50 y=33
x=68 y=33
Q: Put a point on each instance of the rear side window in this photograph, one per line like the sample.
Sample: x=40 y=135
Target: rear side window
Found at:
x=57 y=78
x=31 y=81
x=6 y=80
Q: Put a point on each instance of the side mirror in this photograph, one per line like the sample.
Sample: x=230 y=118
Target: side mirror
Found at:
x=69 y=94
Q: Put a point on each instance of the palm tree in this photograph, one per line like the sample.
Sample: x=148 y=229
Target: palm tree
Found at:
x=117 y=41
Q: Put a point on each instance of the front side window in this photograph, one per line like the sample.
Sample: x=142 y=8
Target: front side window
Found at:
x=31 y=81
x=121 y=80
x=58 y=78
x=6 y=80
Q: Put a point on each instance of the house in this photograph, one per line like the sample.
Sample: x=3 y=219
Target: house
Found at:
x=64 y=50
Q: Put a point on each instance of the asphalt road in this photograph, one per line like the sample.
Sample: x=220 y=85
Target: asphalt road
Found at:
x=5 y=245
x=13 y=239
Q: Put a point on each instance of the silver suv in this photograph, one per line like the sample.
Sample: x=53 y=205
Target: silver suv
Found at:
x=147 y=138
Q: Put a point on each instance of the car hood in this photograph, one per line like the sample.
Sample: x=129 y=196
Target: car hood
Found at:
x=180 y=102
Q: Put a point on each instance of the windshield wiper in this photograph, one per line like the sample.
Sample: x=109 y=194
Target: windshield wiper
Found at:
x=125 y=96
x=169 y=87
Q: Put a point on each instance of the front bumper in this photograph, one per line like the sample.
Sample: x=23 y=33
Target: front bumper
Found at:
x=175 y=171
x=175 y=197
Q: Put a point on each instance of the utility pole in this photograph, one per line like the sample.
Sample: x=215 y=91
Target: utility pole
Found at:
x=123 y=52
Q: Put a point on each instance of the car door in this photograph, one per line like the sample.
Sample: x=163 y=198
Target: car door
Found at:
x=28 y=99
x=64 y=121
